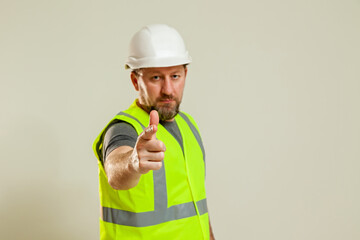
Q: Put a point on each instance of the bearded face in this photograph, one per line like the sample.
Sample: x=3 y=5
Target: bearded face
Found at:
x=161 y=89
x=166 y=106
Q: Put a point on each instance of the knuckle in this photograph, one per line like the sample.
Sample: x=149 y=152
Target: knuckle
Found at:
x=160 y=144
x=142 y=165
x=157 y=165
x=142 y=156
x=163 y=146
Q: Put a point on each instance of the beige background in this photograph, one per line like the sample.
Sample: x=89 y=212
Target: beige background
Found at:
x=274 y=86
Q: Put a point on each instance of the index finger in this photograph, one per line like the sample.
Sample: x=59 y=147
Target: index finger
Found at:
x=151 y=130
x=154 y=118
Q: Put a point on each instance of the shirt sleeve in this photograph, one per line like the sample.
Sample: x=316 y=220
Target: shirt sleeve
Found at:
x=119 y=134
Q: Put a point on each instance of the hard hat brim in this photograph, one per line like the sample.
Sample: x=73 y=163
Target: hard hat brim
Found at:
x=133 y=63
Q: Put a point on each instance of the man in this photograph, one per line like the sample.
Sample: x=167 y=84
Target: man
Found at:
x=151 y=157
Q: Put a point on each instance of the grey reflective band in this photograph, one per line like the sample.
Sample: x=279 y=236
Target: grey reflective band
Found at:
x=160 y=195
x=130 y=116
x=202 y=206
x=194 y=131
x=144 y=219
x=161 y=213
x=160 y=192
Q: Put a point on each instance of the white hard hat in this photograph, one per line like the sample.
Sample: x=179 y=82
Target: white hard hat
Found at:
x=157 y=45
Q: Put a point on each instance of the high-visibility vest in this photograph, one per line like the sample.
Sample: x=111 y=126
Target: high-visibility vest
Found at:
x=169 y=203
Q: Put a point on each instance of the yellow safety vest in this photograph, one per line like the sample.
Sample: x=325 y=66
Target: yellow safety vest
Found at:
x=169 y=203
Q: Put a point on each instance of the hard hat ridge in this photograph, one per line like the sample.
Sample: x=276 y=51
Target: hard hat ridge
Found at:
x=157 y=45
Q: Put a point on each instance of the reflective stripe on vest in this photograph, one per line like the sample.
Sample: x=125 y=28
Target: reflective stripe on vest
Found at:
x=161 y=212
x=159 y=215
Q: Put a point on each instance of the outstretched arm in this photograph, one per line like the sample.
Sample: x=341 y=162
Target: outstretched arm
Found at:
x=125 y=165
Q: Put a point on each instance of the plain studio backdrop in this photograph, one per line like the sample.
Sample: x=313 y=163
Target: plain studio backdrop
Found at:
x=274 y=87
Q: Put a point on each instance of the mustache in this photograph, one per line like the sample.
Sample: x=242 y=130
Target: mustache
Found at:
x=166 y=97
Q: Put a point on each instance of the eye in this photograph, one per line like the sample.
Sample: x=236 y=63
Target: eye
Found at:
x=156 y=78
x=175 y=76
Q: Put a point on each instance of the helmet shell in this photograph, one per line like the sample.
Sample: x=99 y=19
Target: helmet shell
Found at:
x=157 y=45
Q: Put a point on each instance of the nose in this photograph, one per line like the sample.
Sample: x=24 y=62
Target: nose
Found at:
x=167 y=86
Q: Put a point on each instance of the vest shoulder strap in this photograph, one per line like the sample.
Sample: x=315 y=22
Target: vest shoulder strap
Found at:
x=194 y=129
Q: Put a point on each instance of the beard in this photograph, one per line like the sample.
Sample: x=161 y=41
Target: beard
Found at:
x=166 y=111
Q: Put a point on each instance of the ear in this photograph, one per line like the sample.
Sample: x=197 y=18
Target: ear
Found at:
x=185 y=71
x=134 y=81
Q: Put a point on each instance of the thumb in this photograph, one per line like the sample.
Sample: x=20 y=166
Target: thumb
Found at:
x=151 y=130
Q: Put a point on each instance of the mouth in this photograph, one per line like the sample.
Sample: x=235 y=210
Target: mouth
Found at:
x=166 y=101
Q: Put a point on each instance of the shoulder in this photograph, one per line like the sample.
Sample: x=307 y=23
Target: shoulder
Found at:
x=189 y=119
x=120 y=128
x=118 y=134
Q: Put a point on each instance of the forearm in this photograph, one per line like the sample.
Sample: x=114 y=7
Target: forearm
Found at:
x=120 y=170
x=124 y=165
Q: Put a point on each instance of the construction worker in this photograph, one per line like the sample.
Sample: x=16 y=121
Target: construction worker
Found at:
x=151 y=157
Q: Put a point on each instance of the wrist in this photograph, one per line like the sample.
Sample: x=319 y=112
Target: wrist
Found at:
x=133 y=165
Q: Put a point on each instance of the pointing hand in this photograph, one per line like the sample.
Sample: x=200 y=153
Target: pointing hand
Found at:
x=150 y=132
x=148 y=153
